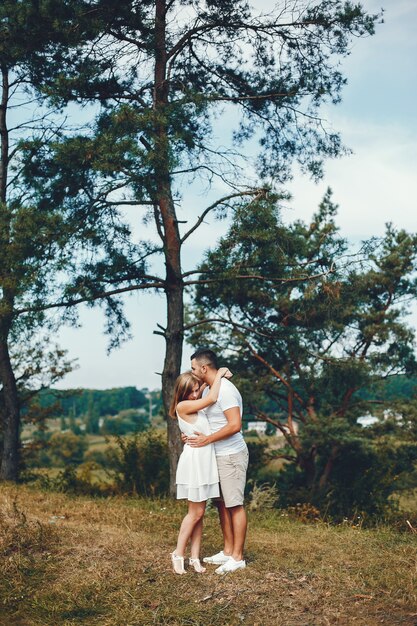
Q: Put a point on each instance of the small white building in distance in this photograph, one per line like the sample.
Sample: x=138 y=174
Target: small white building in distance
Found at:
x=259 y=427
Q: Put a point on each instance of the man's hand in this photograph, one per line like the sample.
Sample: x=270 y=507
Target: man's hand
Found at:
x=184 y=438
x=198 y=440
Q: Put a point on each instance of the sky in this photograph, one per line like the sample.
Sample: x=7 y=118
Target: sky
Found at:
x=376 y=184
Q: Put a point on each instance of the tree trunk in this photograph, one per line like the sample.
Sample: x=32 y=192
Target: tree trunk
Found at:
x=165 y=212
x=4 y=134
x=9 y=469
x=328 y=467
x=172 y=365
x=306 y=462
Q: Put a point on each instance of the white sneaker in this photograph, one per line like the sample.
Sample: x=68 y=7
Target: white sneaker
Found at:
x=217 y=559
x=230 y=566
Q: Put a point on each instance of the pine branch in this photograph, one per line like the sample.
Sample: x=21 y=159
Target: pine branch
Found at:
x=254 y=192
x=100 y=296
x=273 y=371
x=261 y=278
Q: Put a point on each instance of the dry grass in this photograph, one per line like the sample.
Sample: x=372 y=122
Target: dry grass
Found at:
x=106 y=562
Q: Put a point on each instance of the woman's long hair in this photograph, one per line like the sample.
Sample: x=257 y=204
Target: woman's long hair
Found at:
x=183 y=387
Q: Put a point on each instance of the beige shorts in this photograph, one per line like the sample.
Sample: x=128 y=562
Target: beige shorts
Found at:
x=232 y=476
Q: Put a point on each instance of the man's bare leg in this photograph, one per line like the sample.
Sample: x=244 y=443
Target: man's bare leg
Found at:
x=239 y=527
x=227 y=528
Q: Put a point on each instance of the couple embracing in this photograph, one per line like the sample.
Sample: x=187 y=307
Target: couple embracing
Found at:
x=213 y=463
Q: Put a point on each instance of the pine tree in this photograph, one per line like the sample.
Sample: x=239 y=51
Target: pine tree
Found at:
x=161 y=72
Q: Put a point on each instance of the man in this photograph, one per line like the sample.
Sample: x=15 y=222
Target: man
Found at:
x=225 y=419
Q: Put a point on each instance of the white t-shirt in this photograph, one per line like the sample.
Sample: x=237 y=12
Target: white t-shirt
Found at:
x=229 y=397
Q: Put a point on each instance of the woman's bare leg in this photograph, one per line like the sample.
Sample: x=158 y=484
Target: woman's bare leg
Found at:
x=193 y=517
x=195 y=547
x=196 y=539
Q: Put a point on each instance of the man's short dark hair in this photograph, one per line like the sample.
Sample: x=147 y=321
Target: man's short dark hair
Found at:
x=206 y=355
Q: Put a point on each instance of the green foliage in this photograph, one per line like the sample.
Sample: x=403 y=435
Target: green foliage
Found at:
x=125 y=422
x=94 y=402
x=99 y=457
x=258 y=456
x=67 y=448
x=141 y=463
x=312 y=337
x=265 y=69
x=365 y=476
x=36 y=453
x=65 y=238
x=41 y=245
x=70 y=481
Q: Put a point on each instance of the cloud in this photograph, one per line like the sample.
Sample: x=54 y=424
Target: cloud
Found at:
x=375 y=185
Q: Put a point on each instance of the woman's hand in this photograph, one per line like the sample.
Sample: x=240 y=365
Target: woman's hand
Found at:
x=225 y=372
x=202 y=387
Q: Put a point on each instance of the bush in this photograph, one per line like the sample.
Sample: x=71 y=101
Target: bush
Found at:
x=96 y=456
x=36 y=452
x=70 y=481
x=258 y=457
x=364 y=477
x=141 y=463
x=67 y=448
x=126 y=422
x=263 y=497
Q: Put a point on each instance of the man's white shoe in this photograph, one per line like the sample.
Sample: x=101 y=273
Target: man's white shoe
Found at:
x=230 y=566
x=217 y=559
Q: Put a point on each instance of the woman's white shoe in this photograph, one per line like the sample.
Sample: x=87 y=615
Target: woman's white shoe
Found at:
x=197 y=566
x=177 y=563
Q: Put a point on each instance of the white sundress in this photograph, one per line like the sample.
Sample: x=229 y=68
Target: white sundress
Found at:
x=197 y=477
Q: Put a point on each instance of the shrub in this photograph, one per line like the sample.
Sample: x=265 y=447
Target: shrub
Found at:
x=67 y=448
x=70 y=481
x=96 y=456
x=141 y=463
x=126 y=422
x=36 y=452
x=258 y=456
x=364 y=477
x=263 y=497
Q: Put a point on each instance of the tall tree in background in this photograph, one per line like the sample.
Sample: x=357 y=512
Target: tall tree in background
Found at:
x=163 y=72
x=40 y=243
x=310 y=346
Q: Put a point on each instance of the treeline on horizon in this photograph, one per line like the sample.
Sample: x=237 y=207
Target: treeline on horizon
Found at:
x=101 y=402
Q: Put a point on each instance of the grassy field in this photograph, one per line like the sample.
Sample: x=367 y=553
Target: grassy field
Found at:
x=103 y=562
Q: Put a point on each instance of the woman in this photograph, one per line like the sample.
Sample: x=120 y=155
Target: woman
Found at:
x=197 y=477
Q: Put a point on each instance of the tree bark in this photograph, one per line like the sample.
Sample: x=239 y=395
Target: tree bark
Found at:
x=307 y=463
x=9 y=469
x=4 y=134
x=165 y=208
x=328 y=467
